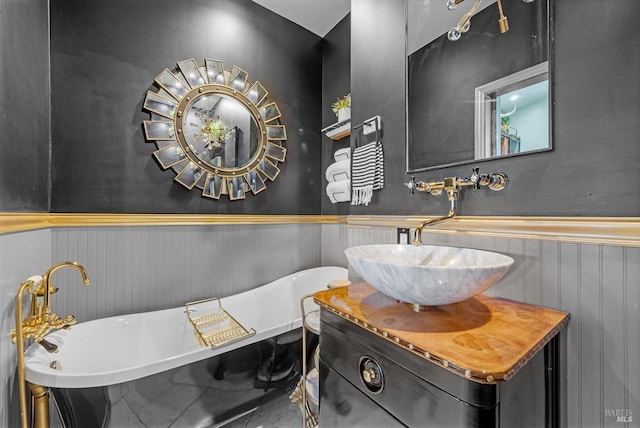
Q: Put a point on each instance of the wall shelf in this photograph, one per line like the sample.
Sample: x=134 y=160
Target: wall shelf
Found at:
x=338 y=130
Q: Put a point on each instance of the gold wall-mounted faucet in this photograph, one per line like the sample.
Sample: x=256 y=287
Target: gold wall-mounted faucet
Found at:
x=452 y=185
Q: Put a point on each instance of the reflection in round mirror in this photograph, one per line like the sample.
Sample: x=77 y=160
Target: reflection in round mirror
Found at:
x=215 y=129
x=220 y=131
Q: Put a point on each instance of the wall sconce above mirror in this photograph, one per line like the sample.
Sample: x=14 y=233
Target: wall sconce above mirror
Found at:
x=215 y=129
x=448 y=121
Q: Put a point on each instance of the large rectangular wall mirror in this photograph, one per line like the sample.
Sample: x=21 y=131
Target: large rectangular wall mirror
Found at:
x=485 y=95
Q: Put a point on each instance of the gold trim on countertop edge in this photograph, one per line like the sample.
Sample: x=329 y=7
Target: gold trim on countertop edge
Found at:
x=480 y=376
x=619 y=231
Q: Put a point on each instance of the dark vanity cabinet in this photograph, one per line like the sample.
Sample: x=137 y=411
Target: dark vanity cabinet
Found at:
x=372 y=375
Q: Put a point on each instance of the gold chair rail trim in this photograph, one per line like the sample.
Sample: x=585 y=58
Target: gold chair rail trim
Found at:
x=619 y=231
x=16 y=222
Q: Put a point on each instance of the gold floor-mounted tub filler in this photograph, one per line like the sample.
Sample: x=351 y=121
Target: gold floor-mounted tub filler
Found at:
x=40 y=321
x=215 y=328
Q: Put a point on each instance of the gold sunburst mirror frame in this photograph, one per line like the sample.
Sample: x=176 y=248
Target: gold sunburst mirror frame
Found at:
x=215 y=129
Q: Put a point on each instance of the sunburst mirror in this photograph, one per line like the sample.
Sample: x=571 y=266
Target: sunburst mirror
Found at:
x=215 y=129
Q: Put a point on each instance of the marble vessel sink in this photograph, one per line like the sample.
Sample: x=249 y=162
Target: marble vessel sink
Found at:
x=428 y=275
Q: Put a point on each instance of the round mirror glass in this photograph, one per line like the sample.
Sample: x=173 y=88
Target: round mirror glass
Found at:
x=220 y=131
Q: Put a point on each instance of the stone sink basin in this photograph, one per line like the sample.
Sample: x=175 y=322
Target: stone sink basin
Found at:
x=428 y=275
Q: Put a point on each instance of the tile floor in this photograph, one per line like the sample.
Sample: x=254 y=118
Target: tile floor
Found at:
x=279 y=412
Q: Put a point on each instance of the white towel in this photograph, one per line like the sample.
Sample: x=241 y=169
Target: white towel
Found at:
x=342 y=154
x=339 y=191
x=338 y=171
x=367 y=172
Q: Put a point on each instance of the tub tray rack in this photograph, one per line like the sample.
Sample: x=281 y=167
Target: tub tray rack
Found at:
x=216 y=328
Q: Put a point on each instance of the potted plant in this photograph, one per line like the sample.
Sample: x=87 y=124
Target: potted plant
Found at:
x=215 y=133
x=504 y=123
x=342 y=108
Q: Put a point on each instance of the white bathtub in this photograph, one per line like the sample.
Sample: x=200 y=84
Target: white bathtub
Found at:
x=119 y=349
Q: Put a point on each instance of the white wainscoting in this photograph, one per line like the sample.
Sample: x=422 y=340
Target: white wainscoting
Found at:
x=21 y=255
x=136 y=269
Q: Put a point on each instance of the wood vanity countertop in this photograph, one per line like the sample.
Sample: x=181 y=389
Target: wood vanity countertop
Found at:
x=485 y=339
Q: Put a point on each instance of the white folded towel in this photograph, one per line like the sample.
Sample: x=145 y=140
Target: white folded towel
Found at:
x=338 y=171
x=342 y=154
x=339 y=191
x=368 y=172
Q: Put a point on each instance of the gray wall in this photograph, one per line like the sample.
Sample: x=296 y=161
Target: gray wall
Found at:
x=24 y=106
x=336 y=83
x=101 y=71
x=89 y=118
x=595 y=117
x=377 y=88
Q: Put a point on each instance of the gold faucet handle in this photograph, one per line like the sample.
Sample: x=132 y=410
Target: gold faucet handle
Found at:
x=434 y=187
x=40 y=331
x=55 y=322
x=69 y=320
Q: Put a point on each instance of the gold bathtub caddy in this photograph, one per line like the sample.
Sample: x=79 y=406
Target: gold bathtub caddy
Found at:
x=216 y=328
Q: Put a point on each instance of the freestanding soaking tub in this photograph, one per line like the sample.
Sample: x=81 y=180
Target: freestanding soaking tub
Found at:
x=149 y=352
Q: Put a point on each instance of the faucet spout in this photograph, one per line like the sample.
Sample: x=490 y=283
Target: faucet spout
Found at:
x=46 y=279
x=452 y=195
x=417 y=236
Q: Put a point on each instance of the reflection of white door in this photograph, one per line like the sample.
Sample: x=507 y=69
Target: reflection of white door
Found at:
x=238 y=119
x=523 y=100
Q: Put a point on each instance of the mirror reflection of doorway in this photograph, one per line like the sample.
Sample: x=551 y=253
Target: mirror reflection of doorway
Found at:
x=512 y=114
x=522 y=124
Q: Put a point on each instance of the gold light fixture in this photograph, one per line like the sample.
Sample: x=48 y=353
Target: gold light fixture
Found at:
x=502 y=22
x=465 y=22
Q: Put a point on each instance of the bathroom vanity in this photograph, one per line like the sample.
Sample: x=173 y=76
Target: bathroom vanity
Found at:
x=473 y=364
